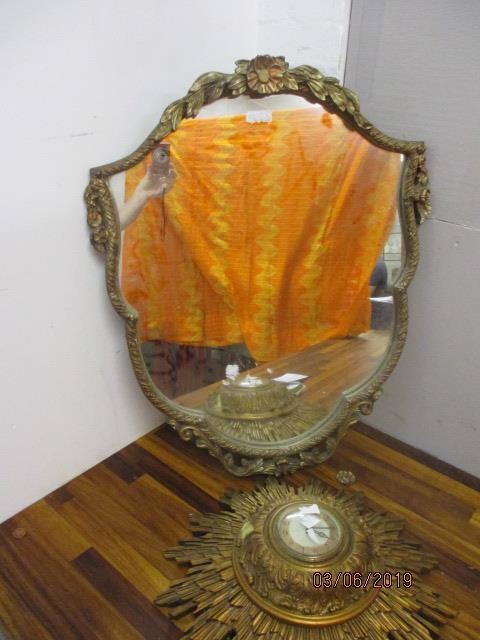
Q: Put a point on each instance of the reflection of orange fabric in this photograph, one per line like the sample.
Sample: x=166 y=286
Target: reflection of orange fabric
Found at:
x=272 y=233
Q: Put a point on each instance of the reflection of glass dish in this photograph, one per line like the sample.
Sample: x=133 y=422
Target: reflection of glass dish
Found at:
x=260 y=409
x=249 y=397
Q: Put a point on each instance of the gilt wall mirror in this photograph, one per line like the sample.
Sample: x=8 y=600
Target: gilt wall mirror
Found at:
x=259 y=244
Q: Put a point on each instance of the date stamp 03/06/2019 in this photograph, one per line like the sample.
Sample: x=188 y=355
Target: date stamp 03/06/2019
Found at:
x=359 y=580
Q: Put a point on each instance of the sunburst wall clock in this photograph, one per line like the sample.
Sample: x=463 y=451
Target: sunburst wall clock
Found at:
x=306 y=563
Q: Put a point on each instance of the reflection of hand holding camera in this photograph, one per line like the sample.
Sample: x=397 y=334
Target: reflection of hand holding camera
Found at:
x=159 y=179
x=160 y=160
x=160 y=175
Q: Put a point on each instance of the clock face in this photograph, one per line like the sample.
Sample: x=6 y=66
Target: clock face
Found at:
x=309 y=531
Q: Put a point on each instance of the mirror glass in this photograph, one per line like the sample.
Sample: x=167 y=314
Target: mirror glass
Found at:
x=263 y=234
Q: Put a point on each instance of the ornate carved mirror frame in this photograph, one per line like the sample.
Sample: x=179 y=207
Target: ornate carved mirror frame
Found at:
x=260 y=77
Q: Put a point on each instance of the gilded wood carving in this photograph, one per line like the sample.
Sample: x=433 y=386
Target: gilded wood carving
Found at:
x=239 y=581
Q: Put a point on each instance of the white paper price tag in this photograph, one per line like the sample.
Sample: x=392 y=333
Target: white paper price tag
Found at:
x=258 y=116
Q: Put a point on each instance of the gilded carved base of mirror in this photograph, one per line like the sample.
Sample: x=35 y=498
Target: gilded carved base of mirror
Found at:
x=268 y=411
x=278 y=458
x=267 y=569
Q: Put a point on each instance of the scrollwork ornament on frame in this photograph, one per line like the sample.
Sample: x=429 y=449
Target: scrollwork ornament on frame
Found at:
x=95 y=196
x=263 y=76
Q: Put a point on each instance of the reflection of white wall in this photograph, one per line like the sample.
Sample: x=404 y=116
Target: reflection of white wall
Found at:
x=82 y=84
x=392 y=252
x=243 y=104
x=414 y=66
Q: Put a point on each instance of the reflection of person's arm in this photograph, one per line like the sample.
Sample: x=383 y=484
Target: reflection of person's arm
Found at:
x=150 y=186
x=132 y=207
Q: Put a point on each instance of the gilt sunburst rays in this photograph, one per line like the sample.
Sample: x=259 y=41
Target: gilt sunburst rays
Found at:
x=222 y=608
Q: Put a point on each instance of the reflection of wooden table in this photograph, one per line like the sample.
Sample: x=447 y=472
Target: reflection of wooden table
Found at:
x=332 y=367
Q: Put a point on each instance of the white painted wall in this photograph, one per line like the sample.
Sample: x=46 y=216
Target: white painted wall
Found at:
x=415 y=66
x=311 y=32
x=82 y=84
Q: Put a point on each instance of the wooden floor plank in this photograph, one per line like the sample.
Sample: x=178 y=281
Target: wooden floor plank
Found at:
x=168 y=476
x=55 y=530
x=64 y=602
x=201 y=469
x=24 y=585
x=118 y=552
x=126 y=526
x=447 y=472
x=152 y=510
x=475 y=519
x=399 y=461
x=130 y=603
x=17 y=617
x=120 y=467
x=58 y=497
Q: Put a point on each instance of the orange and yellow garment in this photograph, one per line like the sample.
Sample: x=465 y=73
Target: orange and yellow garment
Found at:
x=272 y=233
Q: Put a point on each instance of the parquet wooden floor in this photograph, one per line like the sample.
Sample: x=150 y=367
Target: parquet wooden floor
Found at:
x=87 y=561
